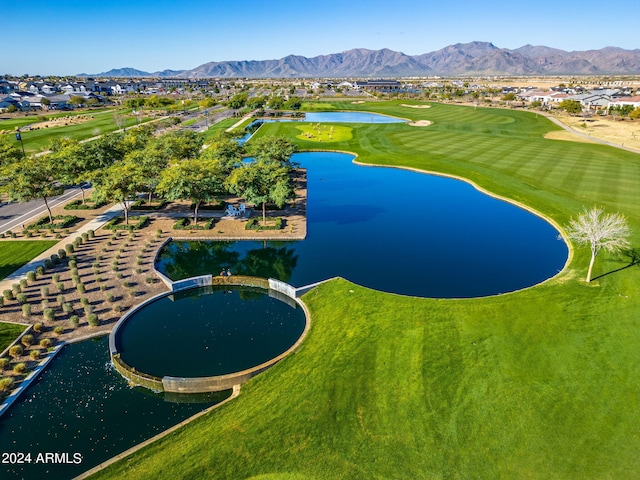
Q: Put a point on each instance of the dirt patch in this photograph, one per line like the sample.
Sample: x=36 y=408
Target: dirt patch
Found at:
x=567 y=137
x=622 y=132
x=61 y=122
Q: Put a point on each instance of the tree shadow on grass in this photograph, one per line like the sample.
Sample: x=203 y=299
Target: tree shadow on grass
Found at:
x=631 y=257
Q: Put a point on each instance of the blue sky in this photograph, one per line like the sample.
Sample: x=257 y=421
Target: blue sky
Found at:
x=71 y=37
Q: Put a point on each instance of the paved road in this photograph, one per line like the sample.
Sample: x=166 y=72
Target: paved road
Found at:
x=15 y=214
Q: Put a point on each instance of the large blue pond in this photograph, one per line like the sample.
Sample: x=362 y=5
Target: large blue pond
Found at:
x=392 y=230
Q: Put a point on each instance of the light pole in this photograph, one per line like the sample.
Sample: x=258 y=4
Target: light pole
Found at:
x=19 y=137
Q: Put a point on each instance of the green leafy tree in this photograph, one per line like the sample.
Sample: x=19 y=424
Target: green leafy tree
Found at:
x=207 y=102
x=197 y=179
x=238 y=101
x=256 y=103
x=294 y=103
x=71 y=163
x=223 y=147
x=573 y=107
x=160 y=152
x=10 y=150
x=261 y=182
x=77 y=100
x=178 y=145
x=273 y=149
x=33 y=178
x=119 y=183
x=599 y=231
x=104 y=151
x=276 y=102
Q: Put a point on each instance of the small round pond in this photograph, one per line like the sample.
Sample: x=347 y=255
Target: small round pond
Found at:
x=209 y=331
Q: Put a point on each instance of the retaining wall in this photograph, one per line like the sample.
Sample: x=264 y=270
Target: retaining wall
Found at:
x=193 y=282
x=149 y=381
x=282 y=287
x=282 y=291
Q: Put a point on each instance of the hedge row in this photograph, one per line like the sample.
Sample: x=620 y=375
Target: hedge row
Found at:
x=78 y=205
x=254 y=224
x=185 y=224
x=135 y=223
x=59 y=221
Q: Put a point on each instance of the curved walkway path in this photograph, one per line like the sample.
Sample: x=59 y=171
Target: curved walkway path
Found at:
x=588 y=137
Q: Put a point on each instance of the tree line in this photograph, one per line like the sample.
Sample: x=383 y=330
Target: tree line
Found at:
x=175 y=166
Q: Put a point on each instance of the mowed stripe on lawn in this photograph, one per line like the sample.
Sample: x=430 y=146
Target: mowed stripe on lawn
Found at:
x=542 y=383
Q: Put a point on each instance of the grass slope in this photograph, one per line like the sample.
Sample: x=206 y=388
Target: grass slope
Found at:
x=541 y=383
x=15 y=253
x=8 y=333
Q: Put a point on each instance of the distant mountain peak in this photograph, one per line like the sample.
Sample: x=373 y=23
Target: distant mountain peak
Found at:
x=475 y=57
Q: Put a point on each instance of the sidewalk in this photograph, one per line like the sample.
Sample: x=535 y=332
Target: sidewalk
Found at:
x=586 y=136
x=94 y=224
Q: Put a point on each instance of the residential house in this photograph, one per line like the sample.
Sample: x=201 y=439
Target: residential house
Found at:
x=7 y=100
x=622 y=101
x=378 y=85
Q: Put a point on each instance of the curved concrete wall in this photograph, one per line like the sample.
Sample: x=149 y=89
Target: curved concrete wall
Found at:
x=284 y=292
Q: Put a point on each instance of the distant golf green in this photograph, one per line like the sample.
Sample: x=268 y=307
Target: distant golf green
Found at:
x=15 y=253
x=541 y=383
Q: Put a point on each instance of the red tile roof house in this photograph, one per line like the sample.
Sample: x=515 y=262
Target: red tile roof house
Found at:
x=633 y=101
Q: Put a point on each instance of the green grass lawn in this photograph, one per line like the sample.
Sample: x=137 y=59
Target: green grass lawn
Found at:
x=35 y=140
x=222 y=126
x=8 y=333
x=325 y=133
x=10 y=124
x=15 y=253
x=542 y=383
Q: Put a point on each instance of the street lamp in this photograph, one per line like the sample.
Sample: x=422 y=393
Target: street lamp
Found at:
x=19 y=137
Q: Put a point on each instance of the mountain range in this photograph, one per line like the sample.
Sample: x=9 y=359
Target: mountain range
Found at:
x=474 y=58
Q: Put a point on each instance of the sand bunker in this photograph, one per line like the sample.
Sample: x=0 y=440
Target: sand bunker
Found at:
x=415 y=106
x=356 y=102
x=420 y=123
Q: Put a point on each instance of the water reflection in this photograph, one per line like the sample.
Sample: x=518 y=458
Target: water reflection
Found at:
x=80 y=404
x=180 y=259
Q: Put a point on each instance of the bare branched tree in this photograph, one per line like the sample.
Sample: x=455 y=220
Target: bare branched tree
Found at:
x=600 y=231
x=119 y=120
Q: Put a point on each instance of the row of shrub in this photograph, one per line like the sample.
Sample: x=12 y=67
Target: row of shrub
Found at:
x=144 y=205
x=135 y=223
x=59 y=221
x=185 y=224
x=254 y=224
x=209 y=206
x=78 y=205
